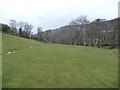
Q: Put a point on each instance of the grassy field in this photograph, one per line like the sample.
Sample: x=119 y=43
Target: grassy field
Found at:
x=45 y=65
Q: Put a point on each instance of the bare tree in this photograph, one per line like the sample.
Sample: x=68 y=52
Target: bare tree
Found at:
x=39 y=33
x=13 y=25
x=27 y=30
x=80 y=23
x=21 y=26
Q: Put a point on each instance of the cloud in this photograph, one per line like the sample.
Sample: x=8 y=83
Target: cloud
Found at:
x=55 y=13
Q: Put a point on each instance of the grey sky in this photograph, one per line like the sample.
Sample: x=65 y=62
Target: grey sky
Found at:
x=51 y=14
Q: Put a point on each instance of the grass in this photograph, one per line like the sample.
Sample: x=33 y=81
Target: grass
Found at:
x=48 y=65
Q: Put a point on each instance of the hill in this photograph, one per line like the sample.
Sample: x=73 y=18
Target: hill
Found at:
x=99 y=33
x=46 y=65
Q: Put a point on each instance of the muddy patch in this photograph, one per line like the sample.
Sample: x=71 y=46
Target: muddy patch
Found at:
x=11 y=51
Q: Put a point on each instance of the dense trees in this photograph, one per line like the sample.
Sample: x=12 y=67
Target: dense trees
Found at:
x=5 y=28
x=21 y=29
x=99 y=33
x=80 y=31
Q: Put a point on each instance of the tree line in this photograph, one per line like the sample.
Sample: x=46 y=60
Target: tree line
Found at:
x=22 y=29
x=99 y=33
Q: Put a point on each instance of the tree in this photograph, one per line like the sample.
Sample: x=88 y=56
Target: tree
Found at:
x=113 y=27
x=39 y=33
x=20 y=32
x=27 y=30
x=21 y=26
x=80 y=23
x=13 y=25
x=5 y=28
x=39 y=30
x=98 y=30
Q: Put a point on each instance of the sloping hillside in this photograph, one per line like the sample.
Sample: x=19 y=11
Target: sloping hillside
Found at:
x=44 y=65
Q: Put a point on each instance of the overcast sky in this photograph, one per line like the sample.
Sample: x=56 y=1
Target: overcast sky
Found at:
x=50 y=14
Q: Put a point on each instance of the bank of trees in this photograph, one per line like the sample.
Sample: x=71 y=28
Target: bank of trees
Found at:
x=21 y=29
x=80 y=31
x=99 y=33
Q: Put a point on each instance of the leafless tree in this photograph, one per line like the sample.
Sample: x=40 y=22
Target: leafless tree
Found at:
x=80 y=23
x=13 y=26
x=39 y=33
